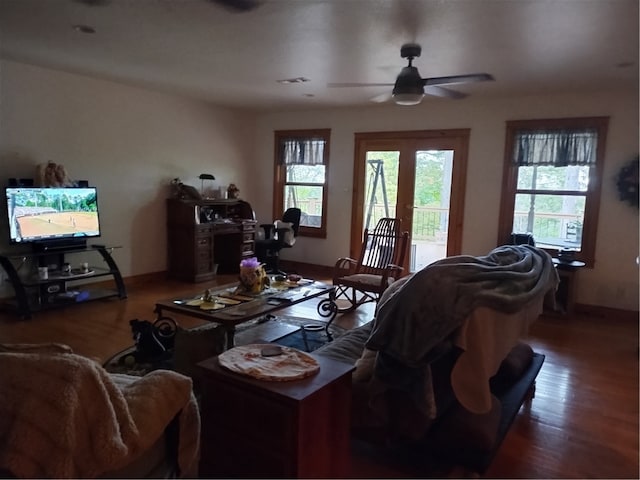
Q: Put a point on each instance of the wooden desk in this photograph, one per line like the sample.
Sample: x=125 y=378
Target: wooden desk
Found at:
x=208 y=236
x=260 y=429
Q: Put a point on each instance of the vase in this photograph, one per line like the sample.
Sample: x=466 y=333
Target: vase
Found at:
x=252 y=279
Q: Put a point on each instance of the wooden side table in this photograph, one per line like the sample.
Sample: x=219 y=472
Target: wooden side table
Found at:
x=566 y=288
x=262 y=429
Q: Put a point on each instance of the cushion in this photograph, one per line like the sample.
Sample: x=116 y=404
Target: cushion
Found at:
x=348 y=347
x=364 y=366
x=288 y=237
x=515 y=363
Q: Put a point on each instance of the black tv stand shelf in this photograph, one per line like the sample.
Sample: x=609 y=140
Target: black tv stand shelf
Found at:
x=61 y=288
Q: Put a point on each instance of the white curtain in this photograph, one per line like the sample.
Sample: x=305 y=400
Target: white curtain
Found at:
x=303 y=152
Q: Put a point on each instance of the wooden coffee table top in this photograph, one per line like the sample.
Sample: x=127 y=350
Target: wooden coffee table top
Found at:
x=269 y=301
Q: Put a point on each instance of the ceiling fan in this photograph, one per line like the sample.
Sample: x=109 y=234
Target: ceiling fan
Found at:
x=410 y=87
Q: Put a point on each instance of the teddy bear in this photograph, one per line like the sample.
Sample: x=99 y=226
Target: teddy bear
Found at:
x=53 y=175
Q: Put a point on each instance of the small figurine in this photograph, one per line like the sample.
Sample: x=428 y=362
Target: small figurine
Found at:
x=176 y=185
x=233 y=191
x=182 y=191
x=52 y=175
x=207 y=296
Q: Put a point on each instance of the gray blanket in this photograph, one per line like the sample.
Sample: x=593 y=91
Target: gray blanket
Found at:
x=419 y=312
x=434 y=301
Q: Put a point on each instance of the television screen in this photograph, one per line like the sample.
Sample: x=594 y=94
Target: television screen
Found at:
x=53 y=213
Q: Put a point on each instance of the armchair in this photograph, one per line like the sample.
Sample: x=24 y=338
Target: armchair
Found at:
x=278 y=235
x=90 y=423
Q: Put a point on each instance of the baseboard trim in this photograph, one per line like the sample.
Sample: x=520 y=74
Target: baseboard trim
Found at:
x=318 y=271
x=134 y=280
x=607 y=312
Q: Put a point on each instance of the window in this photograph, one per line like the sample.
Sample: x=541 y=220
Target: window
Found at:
x=552 y=178
x=301 y=164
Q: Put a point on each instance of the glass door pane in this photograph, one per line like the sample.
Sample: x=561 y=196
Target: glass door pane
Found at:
x=431 y=202
x=381 y=188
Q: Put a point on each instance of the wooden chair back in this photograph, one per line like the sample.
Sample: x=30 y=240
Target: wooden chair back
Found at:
x=382 y=246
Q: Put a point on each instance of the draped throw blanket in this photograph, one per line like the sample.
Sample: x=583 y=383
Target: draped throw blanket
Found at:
x=434 y=301
x=433 y=304
x=63 y=416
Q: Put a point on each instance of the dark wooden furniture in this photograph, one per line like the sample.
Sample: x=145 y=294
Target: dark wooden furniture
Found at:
x=61 y=288
x=229 y=317
x=566 y=288
x=379 y=263
x=260 y=429
x=208 y=236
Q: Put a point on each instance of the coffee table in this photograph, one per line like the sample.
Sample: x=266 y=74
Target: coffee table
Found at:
x=269 y=301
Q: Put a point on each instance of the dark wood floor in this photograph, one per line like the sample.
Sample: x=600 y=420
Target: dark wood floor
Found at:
x=582 y=423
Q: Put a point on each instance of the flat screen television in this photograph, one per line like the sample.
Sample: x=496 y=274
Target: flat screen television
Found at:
x=63 y=216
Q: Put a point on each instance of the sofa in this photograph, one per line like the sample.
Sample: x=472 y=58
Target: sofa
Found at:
x=442 y=367
x=65 y=416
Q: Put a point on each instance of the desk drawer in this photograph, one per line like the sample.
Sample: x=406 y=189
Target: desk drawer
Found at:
x=204 y=267
x=226 y=229
x=248 y=236
x=204 y=230
x=203 y=243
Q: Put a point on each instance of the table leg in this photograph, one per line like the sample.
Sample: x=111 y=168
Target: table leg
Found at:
x=328 y=308
x=231 y=332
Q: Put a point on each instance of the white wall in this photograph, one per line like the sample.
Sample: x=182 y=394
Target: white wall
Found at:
x=131 y=142
x=126 y=141
x=614 y=280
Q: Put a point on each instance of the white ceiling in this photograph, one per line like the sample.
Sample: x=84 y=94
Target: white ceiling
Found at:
x=201 y=49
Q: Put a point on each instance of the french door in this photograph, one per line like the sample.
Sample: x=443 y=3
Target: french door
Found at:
x=419 y=177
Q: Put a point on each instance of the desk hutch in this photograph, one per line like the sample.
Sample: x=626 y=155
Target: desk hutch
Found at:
x=208 y=236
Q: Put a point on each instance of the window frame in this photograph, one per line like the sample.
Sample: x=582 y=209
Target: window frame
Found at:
x=280 y=176
x=593 y=193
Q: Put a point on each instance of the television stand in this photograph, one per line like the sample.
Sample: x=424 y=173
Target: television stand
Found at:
x=61 y=245
x=60 y=288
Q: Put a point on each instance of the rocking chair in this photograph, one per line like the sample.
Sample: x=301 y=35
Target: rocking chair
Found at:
x=364 y=280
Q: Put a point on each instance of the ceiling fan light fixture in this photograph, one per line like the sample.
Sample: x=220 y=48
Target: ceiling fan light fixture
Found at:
x=409 y=88
x=408 y=98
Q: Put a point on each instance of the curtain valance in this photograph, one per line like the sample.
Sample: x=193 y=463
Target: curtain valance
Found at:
x=558 y=148
x=308 y=151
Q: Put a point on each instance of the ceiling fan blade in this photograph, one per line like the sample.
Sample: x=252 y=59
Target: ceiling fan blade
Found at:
x=340 y=85
x=468 y=78
x=383 y=97
x=443 y=92
x=238 y=5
